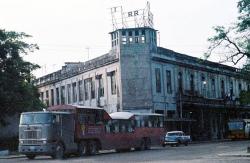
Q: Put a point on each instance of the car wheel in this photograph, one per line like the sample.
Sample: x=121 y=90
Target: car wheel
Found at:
x=31 y=157
x=178 y=143
x=186 y=143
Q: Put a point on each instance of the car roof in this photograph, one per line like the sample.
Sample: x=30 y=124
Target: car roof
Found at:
x=174 y=132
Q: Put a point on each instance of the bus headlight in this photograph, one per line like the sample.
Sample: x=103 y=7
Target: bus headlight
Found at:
x=44 y=141
x=21 y=141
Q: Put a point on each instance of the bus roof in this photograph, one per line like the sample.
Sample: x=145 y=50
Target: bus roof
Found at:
x=71 y=107
x=121 y=115
x=42 y=112
x=148 y=114
x=129 y=115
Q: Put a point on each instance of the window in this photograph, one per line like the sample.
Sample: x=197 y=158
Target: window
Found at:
x=47 y=94
x=136 y=39
x=80 y=90
x=74 y=92
x=57 y=96
x=231 y=88
x=158 y=80
x=130 y=33
x=124 y=40
x=41 y=96
x=130 y=40
x=203 y=84
x=101 y=87
x=62 y=94
x=69 y=93
x=192 y=83
x=213 y=87
x=47 y=97
x=169 y=85
x=92 y=88
x=222 y=85
x=240 y=87
x=86 y=88
x=136 y=36
x=52 y=96
x=136 y=33
x=113 y=83
x=143 y=32
x=143 y=36
x=180 y=82
x=124 y=37
x=142 y=39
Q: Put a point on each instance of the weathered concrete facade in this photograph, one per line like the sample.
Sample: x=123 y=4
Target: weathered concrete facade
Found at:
x=137 y=75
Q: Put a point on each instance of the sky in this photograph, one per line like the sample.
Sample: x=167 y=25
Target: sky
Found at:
x=78 y=30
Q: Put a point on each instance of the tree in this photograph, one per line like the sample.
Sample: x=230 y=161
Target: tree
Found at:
x=17 y=93
x=233 y=41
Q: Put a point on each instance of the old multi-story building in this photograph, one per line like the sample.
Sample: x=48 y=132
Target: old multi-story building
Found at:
x=136 y=75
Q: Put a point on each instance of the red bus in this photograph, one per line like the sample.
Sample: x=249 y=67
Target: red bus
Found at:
x=96 y=130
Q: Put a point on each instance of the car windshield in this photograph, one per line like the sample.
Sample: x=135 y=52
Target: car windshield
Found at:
x=174 y=134
x=36 y=118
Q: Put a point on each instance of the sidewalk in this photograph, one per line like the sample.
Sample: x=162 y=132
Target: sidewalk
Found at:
x=235 y=154
x=12 y=155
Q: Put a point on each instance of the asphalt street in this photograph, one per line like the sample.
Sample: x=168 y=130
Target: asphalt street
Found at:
x=193 y=153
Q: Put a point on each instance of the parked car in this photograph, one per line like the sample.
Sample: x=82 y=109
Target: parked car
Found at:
x=176 y=138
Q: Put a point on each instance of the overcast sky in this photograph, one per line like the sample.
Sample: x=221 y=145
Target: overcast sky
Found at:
x=65 y=29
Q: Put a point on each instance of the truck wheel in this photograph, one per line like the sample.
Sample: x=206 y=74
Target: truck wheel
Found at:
x=59 y=153
x=31 y=157
x=82 y=148
x=92 y=147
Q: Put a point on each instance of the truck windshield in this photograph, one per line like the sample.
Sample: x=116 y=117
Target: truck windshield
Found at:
x=35 y=118
x=235 y=125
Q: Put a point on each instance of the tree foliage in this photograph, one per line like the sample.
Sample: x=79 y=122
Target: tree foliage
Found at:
x=233 y=44
x=234 y=41
x=17 y=93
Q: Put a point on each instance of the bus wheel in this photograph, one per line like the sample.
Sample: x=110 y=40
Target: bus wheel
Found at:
x=148 y=143
x=82 y=148
x=142 y=145
x=59 y=153
x=92 y=147
x=31 y=157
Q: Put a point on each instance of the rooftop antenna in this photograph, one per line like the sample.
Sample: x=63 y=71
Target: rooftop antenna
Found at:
x=132 y=19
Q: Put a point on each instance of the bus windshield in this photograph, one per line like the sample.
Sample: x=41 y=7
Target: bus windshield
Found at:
x=35 y=118
x=235 y=126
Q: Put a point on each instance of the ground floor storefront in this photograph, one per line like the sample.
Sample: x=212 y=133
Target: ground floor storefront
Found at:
x=206 y=122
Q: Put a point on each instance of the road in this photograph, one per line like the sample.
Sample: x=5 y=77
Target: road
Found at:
x=194 y=153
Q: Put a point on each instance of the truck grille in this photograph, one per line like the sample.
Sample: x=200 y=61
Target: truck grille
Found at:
x=33 y=134
x=32 y=142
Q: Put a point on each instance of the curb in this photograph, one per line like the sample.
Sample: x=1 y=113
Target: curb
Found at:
x=12 y=156
x=235 y=155
x=210 y=141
